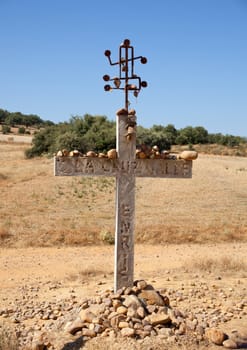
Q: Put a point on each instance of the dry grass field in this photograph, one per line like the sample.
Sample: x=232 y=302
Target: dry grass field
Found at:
x=190 y=234
x=38 y=209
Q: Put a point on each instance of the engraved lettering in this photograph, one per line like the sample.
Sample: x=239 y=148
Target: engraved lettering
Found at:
x=124 y=271
x=106 y=167
x=89 y=167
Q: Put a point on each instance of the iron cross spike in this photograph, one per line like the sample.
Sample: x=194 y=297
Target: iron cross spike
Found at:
x=132 y=82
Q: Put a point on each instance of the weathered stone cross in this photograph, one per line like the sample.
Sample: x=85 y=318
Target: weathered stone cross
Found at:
x=125 y=168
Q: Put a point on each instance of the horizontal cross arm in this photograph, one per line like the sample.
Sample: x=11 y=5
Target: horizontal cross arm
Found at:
x=90 y=166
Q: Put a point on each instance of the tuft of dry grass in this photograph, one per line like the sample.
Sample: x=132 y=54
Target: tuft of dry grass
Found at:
x=87 y=273
x=4 y=234
x=223 y=264
x=3 y=176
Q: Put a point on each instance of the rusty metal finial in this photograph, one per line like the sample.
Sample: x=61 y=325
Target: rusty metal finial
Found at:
x=126 y=72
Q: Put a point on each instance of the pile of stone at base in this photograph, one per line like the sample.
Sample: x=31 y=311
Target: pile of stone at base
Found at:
x=138 y=312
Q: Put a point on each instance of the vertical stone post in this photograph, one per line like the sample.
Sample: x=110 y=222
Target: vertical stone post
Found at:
x=125 y=202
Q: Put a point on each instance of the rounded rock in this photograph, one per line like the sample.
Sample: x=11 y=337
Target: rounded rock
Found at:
x=230 y=344
x=127 y=332
x=216 y=336
x=122 y=310
x=112 y=154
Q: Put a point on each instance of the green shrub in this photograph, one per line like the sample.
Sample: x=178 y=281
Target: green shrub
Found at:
x=107 y=237
x=21 y=130
x=6 y=129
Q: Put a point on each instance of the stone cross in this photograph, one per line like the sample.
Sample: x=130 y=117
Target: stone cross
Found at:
x=125 y=168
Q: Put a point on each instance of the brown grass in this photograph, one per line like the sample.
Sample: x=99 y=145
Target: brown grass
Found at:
x=4 y=234
x=88 y=273
x=216 y=149
x=38 y=209
x=223 y=264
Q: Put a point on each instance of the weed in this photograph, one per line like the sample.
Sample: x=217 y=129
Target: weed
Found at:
x=223 y=264
x=4 y=234
x=190 y=147
x=107 y=237
x=3 y=177
x=242 y=169
x=85 y=274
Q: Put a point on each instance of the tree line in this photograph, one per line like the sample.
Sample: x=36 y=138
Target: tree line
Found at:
x=17 y=118
x=98 y=133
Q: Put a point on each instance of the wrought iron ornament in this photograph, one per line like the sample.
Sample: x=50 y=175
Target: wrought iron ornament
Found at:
x=131 y=82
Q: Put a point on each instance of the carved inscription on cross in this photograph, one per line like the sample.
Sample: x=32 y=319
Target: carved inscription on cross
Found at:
x=125 y=168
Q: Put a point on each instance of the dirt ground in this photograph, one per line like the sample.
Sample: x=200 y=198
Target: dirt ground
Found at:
x=85 y=268
x=55 y=274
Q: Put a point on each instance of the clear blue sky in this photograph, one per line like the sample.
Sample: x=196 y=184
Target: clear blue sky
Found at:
x=52 y=59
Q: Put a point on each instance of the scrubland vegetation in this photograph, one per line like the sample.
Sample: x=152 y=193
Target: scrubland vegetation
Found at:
x=97 y=133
